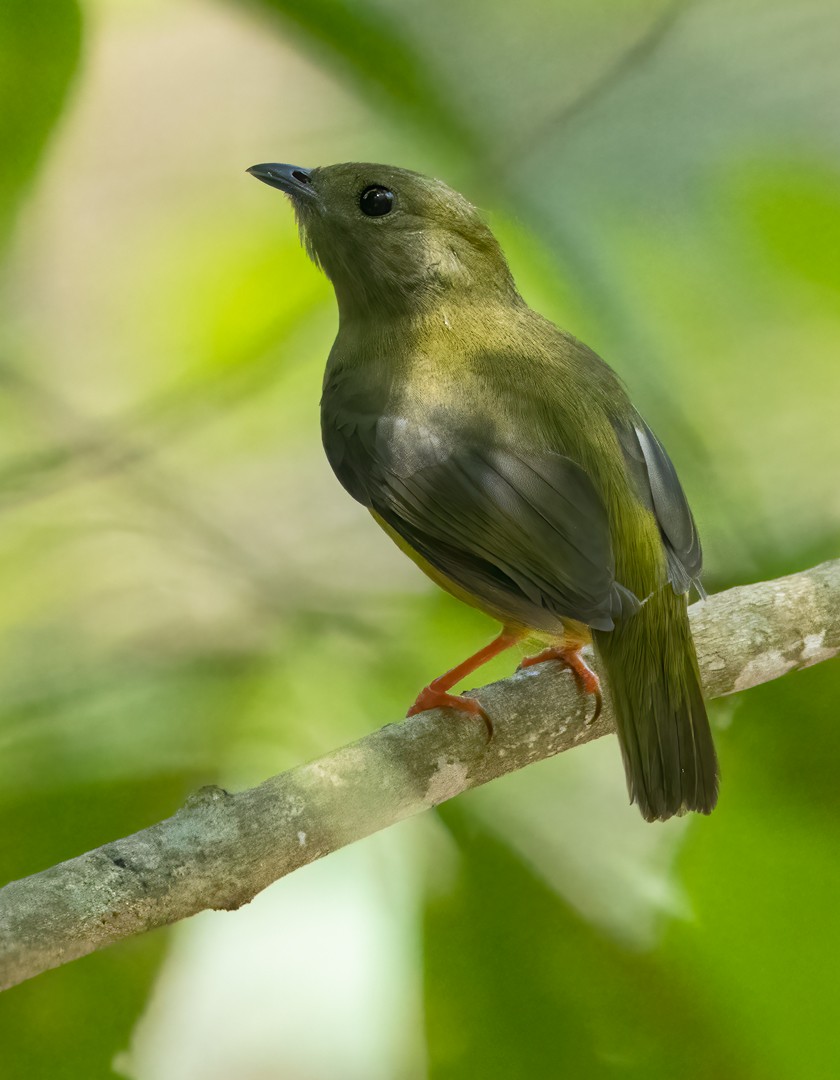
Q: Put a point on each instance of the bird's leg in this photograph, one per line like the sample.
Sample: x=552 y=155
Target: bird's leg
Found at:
x=569 y=654
x=436 y=696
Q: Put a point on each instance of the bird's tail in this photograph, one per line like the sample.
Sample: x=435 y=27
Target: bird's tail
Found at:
x=663 y=729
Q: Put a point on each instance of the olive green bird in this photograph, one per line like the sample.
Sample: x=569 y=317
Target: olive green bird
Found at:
x=505 y=458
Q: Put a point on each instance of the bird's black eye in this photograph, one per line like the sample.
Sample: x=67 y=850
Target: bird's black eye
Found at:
x=376 y=201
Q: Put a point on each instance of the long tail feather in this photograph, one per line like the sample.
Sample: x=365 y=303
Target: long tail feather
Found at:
x=663 y=729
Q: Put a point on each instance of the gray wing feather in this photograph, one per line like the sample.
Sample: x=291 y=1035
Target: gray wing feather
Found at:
x=526 y=533
x=659 y=488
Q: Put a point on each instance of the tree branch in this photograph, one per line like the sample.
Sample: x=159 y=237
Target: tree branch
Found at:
x=219 y=850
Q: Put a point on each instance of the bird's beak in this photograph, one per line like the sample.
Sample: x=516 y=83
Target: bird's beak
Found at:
x=291 y=179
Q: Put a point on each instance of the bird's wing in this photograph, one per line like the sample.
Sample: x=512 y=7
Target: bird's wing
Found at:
x=524 y=532
x=659 y=488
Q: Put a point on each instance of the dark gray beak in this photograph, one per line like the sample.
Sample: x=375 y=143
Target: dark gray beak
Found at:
x=291 y=179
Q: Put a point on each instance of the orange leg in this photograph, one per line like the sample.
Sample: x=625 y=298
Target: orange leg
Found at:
x=435 y=695
x=585 y=677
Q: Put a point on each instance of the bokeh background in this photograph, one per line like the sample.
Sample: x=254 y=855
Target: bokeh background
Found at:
x=189 y=597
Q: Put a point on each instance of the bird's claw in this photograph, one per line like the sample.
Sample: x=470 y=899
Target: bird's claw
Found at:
x=432 y=698
x=588 y=682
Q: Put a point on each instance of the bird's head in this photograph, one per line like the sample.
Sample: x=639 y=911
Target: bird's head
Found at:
x=390 y=240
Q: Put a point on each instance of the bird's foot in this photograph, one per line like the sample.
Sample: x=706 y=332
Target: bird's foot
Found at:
x=436 y=695
x=432 y=698
x=588 y=682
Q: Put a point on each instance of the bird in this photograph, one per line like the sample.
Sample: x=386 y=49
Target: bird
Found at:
x=506 y=459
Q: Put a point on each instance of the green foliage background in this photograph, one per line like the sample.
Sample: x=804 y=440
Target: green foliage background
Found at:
x=188 y=597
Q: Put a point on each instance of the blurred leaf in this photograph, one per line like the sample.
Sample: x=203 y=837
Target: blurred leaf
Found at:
x=517 y=985
x=764 y=877
x=795 y=211
x=39 y=49
x=373 y=46
x=121 y=720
